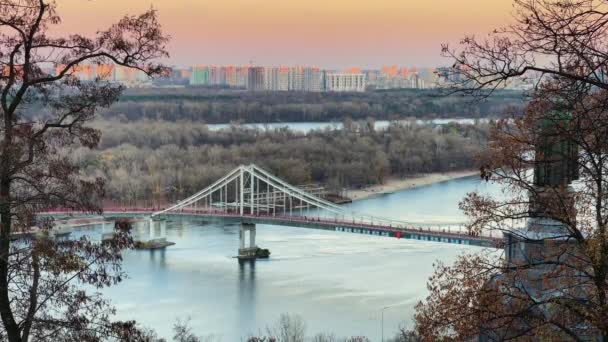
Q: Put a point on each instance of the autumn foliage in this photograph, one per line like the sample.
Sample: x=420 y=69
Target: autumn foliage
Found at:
x=550 y=281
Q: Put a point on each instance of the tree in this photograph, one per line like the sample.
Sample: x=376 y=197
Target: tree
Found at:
x=40 y=293
x=290 y=328
x=548 y=39
x=182 y=332
x=550 y=282
x=324 y=337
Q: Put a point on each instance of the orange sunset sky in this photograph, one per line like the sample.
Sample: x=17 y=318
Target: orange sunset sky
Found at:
x=327 y=33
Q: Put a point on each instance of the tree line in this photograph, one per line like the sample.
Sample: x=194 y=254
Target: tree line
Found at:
x=287 y=328
x=224 y=106
x=150 y=162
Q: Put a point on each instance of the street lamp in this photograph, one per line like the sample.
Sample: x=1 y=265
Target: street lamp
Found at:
x=384 y=308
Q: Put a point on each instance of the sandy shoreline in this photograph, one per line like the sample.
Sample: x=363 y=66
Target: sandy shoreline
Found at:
x=397 y=184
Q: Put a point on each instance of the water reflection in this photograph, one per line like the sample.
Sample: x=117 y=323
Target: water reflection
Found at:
x=158 y=257
x=246 y=291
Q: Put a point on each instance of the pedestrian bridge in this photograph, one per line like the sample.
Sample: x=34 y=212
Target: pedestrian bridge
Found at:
x=250 y=195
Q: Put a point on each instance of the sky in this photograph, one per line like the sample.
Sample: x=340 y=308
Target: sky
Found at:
x=324 y=33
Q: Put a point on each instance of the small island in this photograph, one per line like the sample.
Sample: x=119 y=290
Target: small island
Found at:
x=253 y=253
x=262 y=253
x=152 y=244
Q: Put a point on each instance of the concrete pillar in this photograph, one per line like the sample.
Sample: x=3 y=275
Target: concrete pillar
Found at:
x=163 y=229
x=152 y=229
x=241 y=238
x=246 y=227
x=252 y=237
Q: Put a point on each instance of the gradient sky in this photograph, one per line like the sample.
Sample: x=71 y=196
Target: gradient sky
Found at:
x=326 y=33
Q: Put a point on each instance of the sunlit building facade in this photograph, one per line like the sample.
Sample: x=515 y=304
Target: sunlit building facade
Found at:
x=342 y=82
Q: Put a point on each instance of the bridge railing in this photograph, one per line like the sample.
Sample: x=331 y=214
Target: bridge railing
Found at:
x=345 y=220
x=352 y=220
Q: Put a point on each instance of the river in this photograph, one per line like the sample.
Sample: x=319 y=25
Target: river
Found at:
x=304 y=127
x=337 y=282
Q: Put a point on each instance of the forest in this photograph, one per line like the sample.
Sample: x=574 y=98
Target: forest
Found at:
x=214 y=106
x=152 y=162
x=156 y=146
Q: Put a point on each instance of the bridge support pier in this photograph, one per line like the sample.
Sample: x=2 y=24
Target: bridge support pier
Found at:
x=157 y=230
x=248 y=252
x=157 y=235
x=106 y=235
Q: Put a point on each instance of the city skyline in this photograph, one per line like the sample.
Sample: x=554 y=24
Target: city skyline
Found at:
x=338 y=35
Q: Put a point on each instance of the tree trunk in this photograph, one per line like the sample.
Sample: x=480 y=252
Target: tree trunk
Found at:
x=12 y=329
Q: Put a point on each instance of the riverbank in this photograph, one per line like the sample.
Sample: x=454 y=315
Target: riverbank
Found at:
x=398 y=184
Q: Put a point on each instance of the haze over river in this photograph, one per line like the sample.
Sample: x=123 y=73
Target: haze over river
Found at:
x=337 y=282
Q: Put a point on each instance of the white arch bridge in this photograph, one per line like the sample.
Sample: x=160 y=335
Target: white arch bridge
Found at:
x=250 y=195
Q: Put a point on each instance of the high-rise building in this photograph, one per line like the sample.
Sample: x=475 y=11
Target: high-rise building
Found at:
x=416 y=82
x=372 y=77
x=242 y=75
x=185 y=73
x=200 y=75
x=296 y=79
x=340 y=82
x=216 y=76
x=312 y=79
x=112 y=73
x=255 y=79
x=305 y=79
x=276 y=78
x=390 y=71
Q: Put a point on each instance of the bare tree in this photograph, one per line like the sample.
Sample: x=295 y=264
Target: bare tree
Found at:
x=550 y=282
x=548 y=39
x=357 y=339
x=182 y=332
x=40 y=296
x=290 y=328
x=324 y=337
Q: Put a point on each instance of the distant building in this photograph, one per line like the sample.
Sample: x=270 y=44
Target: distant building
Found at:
x=312 y=80
x=340 y=82
x=353 y=70
x=255 y=79
x=276 y=78
x=200 y=75
x=108 y=72
x=236 y=76
x=216 y=76
x=305 y=79
x=390 y=71
x=231 y=76
x=417 y=82
x=281 y=78
x=372 y=77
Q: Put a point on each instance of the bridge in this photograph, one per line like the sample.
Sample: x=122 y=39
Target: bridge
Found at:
x=250 y=195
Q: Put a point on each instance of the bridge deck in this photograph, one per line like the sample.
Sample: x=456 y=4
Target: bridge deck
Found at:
x=418 y=233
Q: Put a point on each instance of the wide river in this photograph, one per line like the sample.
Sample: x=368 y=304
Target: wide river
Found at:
x=337 y=282
x=304 y=127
